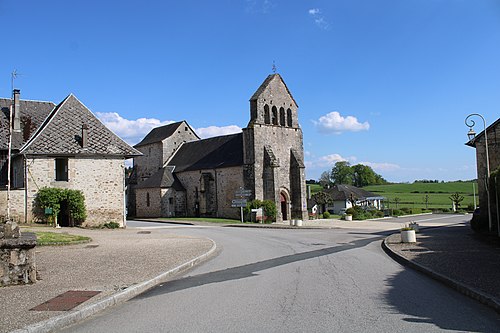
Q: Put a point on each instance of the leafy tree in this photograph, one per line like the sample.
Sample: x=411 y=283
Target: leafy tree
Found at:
x=456 y=198
x=342 y=173
x=322 y=198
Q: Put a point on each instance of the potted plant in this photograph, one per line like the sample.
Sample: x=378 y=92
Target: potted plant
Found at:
x=408 y=235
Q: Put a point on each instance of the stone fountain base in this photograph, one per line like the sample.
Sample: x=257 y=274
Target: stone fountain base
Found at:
x=17 y=256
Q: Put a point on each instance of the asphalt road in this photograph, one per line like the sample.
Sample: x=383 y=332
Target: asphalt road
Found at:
x=268 y=280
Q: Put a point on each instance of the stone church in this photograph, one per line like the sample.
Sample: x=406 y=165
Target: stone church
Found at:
x=180 y=174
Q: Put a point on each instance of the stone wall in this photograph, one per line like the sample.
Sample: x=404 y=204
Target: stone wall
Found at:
x=148 y=202
x=100 y=179
x=17 y=260
x=494 y=157
x=226 y=181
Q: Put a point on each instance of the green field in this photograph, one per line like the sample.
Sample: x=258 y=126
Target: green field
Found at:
x=413 y=195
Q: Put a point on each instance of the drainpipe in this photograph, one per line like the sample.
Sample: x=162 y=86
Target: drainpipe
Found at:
x=216 y=195
x=25 y=165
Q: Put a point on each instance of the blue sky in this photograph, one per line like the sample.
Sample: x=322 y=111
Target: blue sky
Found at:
x=387 y=83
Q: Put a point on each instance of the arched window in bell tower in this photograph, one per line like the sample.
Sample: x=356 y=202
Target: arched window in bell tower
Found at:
x=267 y=116
x=289 y=117
x=275 y=115
x=282 y=117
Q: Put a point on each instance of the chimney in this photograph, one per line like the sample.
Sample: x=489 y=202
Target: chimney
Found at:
x=17 y=111
x=85 y=135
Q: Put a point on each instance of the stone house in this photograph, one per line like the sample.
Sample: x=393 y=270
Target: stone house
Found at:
x=63 y=146
x=479 y=142
x=180 y=174
x=343 y=194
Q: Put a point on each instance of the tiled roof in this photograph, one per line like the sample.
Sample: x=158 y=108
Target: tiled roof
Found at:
x=161 y=133
x=61 y=134
x=266 y=83
x=343 y=192
x=163 y=178
x=218 y=152
x=33 y=114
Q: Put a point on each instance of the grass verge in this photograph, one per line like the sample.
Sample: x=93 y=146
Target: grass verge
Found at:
x=46 y=238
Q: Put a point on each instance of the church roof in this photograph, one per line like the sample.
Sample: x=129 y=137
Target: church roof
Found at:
x=218 y=152
x=159 y=134
x=61 y=134
x=266 y=84
x=33 y=114
x=163 y=178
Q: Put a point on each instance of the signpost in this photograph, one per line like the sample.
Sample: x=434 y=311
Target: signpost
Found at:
x=240 y=201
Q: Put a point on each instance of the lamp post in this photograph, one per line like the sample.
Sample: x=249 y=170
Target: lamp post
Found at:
x=471 y=134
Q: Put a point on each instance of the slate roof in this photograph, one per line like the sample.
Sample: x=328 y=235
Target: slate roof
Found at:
x=218 y=152
x=163 y=178
x=343 y=192
x=60 y=134
x=161 y=133
x=33 y=114
x=266 y=83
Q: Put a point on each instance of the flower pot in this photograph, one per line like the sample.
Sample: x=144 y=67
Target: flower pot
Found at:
x=348 y=217
x=298 y=223
x=293 y=222
x=408 y=236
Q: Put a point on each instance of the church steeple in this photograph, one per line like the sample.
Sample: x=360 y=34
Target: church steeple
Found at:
x=273 y=104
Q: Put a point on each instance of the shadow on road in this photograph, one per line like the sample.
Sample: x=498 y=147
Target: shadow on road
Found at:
x=250 y=270
x=407 y=294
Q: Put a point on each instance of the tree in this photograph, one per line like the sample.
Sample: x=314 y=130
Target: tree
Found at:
x=456 y=198
x=325 y=180
x=322 y=198
x=364 y=175
x=342 y=173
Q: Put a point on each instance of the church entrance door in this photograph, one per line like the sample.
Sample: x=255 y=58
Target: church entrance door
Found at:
x=284 y=206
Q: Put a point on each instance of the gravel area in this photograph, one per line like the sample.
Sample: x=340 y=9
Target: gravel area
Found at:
x=114 y=260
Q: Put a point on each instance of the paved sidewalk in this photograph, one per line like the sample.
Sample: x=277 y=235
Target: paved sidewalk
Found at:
x=456 y=256
x=118 y=263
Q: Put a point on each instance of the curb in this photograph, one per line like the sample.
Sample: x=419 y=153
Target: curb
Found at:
x=451 y=283
x=67 y=319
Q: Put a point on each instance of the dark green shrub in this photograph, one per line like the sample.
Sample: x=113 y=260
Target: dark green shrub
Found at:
x=326 y=215
x=50 y=197
x=406 y=210
x=397 y=212
x=378 y=213
x=270 y=210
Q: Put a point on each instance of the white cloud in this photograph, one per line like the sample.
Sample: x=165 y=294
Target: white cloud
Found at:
x=333 y=122
x=382 y=167
x=328 y=161
x=132 y=131
x=314 y=11
x=318 y=18
x=211 y=131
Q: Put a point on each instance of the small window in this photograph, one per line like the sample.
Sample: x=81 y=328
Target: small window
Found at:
x=62 y=169
x=267 y=116
x=289 y=117
x=147 y=199
x=282 y=117
x=275 y=115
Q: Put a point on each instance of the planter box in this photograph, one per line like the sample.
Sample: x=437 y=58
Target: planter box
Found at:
x=408 y=236
x=348 y=217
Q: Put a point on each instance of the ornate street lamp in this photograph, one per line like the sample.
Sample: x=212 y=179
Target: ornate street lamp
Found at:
x=471 y=134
